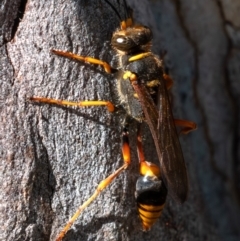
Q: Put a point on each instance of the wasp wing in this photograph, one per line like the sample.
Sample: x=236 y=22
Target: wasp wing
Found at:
x=161 y=124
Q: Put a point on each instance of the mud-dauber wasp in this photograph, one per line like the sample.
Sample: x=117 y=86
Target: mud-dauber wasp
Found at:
x=143 y=93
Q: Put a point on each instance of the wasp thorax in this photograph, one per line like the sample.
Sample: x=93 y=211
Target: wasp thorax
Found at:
x=133 y=39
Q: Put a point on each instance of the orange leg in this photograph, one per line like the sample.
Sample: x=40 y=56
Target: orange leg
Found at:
x=85 y=103
x=187 y=125
x=168 y=81
x=102 y=185
x=85 y=59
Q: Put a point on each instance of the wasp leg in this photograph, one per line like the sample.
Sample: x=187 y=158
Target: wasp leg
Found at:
x=187 y=125
x=102 y=185
x=168 y=81
x=85 y=59
x=85 y=103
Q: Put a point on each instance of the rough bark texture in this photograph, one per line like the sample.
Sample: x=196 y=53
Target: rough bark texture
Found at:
x=53 y=157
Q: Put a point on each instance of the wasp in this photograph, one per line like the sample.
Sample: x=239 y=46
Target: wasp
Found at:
x=142 y=88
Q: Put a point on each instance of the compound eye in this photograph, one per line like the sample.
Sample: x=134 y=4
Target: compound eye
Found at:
x=122 y=43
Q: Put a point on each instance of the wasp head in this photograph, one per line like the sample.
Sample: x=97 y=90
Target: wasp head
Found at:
x=132 y=39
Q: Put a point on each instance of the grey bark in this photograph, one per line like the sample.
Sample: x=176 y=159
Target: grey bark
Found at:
x=53 y=157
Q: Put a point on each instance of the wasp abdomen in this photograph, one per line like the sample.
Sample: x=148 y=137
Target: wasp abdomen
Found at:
x=150 y=195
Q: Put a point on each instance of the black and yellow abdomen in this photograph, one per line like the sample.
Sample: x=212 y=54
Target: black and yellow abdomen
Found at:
x=151 y=195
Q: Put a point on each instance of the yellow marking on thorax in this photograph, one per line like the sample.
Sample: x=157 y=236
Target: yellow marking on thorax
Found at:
x=139 y=56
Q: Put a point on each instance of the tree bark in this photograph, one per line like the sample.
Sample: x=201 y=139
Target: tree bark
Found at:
x=53 y=157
